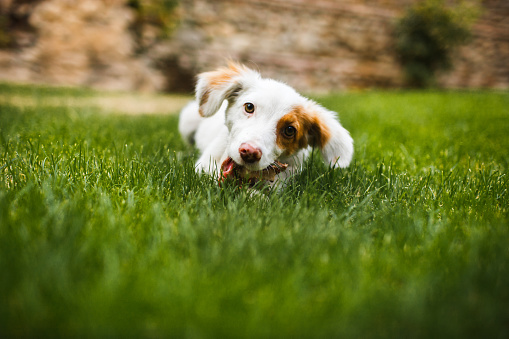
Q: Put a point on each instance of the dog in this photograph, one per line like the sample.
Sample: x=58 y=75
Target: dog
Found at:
x=258 y=129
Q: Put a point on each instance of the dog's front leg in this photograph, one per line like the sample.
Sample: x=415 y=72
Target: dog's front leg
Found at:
x=210 y=159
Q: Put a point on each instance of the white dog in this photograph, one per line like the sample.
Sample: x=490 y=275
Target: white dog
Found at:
x=253 y=128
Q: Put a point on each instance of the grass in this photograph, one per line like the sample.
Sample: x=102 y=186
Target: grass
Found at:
x=106 y=231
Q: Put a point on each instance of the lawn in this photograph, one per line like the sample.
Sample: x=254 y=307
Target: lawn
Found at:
x=106 y=230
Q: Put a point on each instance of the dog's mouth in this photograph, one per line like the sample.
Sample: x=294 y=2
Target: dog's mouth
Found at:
x=230 y=169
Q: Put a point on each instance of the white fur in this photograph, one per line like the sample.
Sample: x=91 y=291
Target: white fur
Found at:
x=220 y=124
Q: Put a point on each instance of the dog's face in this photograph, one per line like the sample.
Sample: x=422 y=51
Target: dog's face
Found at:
x=268 y=120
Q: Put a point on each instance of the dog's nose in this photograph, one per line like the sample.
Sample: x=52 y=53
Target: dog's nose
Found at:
x=250 y=154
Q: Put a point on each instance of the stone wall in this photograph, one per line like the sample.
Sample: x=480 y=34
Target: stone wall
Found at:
x=316 y=46
x=325 y=45
x=70 y=42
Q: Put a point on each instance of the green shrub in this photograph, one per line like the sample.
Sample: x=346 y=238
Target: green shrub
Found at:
x=428 y=34
x=159 y=14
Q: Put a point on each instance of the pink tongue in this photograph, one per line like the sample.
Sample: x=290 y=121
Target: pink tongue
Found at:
x=227 y=167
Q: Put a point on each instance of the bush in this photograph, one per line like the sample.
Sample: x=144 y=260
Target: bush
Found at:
x=161 y=15
x=428 y=34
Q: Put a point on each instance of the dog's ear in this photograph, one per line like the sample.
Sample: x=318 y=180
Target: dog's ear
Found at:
x=330 y=136
x=214 y=87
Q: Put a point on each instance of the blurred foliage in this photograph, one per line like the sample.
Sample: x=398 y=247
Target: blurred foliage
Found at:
x=428 y=34
x=14 y=17
x=160 y=15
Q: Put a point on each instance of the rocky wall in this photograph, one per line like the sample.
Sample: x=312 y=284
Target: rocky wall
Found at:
x=316 y=46
x=68 y=42
x=327 y=45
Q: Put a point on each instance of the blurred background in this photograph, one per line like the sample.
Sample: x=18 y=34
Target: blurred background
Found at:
x=317 y=46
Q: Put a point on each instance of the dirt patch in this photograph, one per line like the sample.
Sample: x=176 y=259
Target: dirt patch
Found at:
x=114 y=103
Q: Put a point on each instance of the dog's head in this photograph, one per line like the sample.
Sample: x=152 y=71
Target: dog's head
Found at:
x=268 y=120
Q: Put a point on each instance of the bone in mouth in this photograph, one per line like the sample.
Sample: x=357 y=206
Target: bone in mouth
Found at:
x=231 y=169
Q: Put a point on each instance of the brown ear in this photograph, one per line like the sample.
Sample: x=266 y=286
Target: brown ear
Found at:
x=335 y=141
x=214 y=87
x=318 y=132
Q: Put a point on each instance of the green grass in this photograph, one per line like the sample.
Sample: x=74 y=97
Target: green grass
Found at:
x=106 y=231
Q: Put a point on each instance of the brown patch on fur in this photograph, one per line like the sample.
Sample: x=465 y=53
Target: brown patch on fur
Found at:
x=224 y=75
x=203 y=101
x=310 y=130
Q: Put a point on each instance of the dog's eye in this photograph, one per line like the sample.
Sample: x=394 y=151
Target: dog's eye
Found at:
x=289 y=131
x=249 y=107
